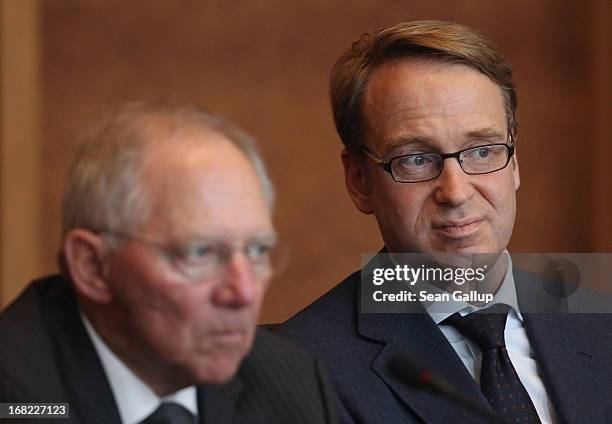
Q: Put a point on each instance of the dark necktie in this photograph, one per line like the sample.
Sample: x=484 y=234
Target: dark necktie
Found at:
x=170 y=413
x=498 y=379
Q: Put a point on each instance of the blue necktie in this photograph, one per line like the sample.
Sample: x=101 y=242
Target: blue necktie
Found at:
x=498 y=379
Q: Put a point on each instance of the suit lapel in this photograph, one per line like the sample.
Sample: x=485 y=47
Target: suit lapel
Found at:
x=217 y=404
x=91 y=399
x=417 y=334
x=564 y=358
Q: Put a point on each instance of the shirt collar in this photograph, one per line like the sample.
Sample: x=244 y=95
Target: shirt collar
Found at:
x=506 y=294
x=134 y=399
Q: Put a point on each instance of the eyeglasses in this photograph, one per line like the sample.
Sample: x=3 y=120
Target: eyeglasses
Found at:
x=420 y=167
x=207 y=259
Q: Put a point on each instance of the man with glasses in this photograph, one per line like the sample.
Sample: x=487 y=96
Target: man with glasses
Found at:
x=426 y=111
x=168 y=247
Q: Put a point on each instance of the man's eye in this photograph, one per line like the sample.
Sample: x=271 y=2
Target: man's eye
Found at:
x=199 y=253
x=416 y=161
x=483 y=152
x=258 y=251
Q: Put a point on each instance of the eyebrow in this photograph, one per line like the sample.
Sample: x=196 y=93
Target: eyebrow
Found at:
x=267 y=237
x=486 y=133
x=404 y=140
x=255 y=236
x=482 y=134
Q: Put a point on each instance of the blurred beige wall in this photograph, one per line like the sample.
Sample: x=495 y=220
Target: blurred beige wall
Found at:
x=20 y=166
x=265 y=65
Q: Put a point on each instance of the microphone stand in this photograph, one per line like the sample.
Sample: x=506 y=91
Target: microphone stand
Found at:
x=409 y=371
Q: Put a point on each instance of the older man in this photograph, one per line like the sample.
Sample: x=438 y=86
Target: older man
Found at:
x=166 y=256
x=426 y=112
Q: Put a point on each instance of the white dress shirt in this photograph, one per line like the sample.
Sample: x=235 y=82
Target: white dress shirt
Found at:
x=135 y=400
x=517 y=343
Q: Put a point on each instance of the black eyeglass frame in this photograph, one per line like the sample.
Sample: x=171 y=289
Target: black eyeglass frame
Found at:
x=387 y=165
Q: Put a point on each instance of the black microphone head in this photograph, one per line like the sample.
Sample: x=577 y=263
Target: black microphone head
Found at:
x=413 y=372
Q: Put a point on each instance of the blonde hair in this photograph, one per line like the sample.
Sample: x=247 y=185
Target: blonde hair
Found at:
x=436 y=40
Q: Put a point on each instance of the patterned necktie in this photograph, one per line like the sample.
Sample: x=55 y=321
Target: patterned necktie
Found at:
x=170 y=413
x=498 y=379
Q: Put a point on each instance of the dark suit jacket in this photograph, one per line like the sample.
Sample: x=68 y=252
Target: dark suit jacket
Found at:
x=573 y=353
x=47 y=356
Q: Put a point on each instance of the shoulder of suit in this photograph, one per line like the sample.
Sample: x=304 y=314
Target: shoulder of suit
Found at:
x=276 y=348
x=27 y=354
x=25 y=315
x=322 y=319
x=276 y=363
x=280 y=382
x=581 y=297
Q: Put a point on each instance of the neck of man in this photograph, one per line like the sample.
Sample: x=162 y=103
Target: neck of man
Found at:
x=492 y=265
x=111 y=329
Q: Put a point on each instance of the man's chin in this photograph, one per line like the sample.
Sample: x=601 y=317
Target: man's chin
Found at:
x=475 y=244
x=464 y=253
x=219 y=371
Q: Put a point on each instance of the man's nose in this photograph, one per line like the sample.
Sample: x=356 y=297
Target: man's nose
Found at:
x=239 y=287
x=453 y=185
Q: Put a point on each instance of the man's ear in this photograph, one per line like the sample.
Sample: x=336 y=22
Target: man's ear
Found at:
x=357 y=181
x=515 y=170
x=84 y=256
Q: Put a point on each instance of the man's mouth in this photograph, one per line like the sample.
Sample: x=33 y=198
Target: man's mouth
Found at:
x=228 y=336
x=458 y=229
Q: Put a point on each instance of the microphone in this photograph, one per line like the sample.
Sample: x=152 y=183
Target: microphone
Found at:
x=412 y=372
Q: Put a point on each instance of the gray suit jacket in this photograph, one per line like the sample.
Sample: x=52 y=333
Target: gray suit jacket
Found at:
x=573 y=352
x=47 y=356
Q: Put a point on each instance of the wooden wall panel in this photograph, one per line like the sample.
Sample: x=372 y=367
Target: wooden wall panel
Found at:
x=601 y=110
x=266 y=64
x=20 y=185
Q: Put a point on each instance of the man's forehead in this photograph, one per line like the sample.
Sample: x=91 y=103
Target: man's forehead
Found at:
x=188 y=150
x=406 y=81
x=425 y=93
x=196 y=183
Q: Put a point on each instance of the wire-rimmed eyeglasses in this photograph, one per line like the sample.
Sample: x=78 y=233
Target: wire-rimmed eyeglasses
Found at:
x=420 y=167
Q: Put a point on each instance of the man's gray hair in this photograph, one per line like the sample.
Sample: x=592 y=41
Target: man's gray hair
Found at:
x=105 y=190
